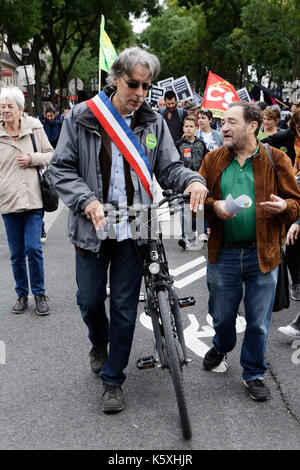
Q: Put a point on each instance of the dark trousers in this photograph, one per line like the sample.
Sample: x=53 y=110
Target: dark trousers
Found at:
x=125 y=276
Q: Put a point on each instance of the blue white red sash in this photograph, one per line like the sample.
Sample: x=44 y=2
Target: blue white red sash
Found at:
x=123 y=137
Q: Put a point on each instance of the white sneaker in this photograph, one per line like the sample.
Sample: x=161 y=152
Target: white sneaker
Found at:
x=290 y=331
x=203 y=237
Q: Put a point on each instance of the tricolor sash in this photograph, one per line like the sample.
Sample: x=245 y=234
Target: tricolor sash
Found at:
x=123 y=137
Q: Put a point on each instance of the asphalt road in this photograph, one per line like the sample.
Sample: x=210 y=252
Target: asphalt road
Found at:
x=51 y=400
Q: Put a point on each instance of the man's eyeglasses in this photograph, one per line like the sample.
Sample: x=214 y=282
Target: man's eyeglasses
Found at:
x=136 y=84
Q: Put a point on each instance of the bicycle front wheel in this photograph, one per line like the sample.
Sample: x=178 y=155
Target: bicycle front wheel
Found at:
x=174 y=362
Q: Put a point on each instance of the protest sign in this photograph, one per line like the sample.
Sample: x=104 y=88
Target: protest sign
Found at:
x=243 y=94
x=197 y=98
x=156 y=93
x=166 y=83
x=218 y=95
x=182 y=88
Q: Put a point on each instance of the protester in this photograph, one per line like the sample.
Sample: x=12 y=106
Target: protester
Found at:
x=84 y=186
x=192 y=150
x=21 y=203
x=211 y=137
x=173 y=116
x=243 y=248
x=289 y=141
x=52 y=126
x=161 y=103
x=271 y=117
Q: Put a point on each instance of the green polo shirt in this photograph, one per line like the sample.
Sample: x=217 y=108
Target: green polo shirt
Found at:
x=237 y=180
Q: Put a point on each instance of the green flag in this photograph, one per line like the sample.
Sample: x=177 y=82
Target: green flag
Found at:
x=107 y=53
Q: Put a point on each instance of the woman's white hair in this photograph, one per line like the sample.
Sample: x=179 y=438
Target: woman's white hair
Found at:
x=15 y=94
x=129 y=59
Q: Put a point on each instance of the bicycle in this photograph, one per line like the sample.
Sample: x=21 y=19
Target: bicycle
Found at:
x=162 y=303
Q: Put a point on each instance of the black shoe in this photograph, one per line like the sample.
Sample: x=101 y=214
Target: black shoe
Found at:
x=43 y=235
x=41 y=306
x=182 y=243
x=112 y=399
x=98 y=357
x=258 y=390
x=212 y=359
x=21 y=304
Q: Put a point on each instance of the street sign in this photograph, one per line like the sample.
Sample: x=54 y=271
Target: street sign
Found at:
x=74 y=85
x=7 y=73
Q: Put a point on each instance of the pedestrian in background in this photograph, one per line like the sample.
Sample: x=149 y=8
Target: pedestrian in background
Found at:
x=52 y=125
x=192 y=150
x=21 y=203
x=244 y=248
x=173 y=115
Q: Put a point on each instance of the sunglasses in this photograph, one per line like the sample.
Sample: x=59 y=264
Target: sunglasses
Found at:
x=136 y=84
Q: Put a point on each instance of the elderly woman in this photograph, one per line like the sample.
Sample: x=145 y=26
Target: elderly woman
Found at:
x=20 y=196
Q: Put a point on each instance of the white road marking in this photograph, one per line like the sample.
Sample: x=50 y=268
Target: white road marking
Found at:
x=187 y=266
x=50 y=217
x=191 y=278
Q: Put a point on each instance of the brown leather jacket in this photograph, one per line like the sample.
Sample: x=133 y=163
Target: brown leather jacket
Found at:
x=267 y=225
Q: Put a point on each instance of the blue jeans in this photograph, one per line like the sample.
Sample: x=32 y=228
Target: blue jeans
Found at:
x=23 y=231
x=225 y=281
x=125 y=281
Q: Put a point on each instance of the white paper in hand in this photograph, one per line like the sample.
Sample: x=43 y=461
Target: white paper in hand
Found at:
x=237 y=205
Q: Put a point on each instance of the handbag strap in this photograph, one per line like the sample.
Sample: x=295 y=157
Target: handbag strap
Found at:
x=33 y=142
x=270 y=156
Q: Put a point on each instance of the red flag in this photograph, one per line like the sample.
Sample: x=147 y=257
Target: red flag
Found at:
x=218 y=95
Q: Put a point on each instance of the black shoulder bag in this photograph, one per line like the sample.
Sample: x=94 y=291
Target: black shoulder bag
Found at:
x=49 y=195
x=282 y=296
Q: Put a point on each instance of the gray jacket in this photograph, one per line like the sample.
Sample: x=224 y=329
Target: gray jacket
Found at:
x=75 y=166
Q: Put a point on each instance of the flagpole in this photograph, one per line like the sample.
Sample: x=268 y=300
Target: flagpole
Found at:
x=99 y=81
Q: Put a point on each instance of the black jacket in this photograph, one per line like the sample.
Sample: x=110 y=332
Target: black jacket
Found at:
x=191 y=153
x=282 y=140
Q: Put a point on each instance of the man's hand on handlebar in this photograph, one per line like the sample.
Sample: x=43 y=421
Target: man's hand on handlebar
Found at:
x=198 y=195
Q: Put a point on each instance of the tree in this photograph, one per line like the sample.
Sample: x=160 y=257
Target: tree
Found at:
x=65 y=25
x=177 y=37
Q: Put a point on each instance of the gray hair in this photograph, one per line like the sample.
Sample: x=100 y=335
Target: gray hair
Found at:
x=15 y=94
x=129 y=59
x=251 y=112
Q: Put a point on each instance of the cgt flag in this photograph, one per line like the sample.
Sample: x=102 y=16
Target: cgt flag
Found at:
x=107 y=53
x=218 y=95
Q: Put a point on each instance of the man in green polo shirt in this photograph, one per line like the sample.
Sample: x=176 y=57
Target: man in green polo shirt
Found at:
x=243 y=248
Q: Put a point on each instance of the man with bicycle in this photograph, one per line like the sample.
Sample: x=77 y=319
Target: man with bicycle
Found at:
x=243 y=247
x=107 y=151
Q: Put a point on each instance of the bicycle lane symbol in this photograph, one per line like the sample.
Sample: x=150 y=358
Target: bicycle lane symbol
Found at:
x=194 y=336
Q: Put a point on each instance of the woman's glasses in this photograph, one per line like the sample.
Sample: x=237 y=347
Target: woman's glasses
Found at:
x=136 y=84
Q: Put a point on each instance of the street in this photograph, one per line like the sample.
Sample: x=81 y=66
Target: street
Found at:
x=50 y=399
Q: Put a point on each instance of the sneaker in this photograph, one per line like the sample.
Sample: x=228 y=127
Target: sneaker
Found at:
x=44 y=235
x=212 y=359
x=98 y=357
x=182 y=243
x=289 y=330
x=203 y=237
x=112 y=399
x=258 y=390
x=193 y=245
x=21 y=304
x=295 y=292
x=41 y=306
